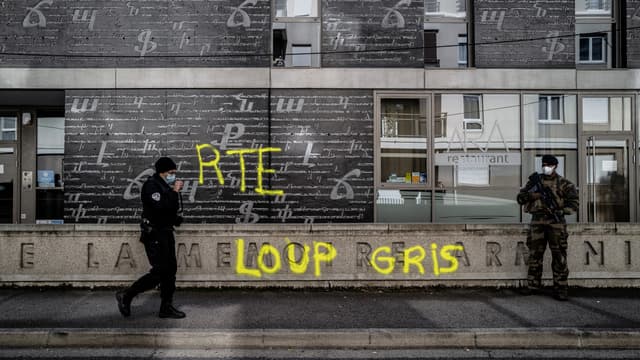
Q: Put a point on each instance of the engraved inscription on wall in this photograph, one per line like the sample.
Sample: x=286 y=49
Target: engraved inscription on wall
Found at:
x=135 y=32
x=499 y=24
x=359 y=33
x=323 y=166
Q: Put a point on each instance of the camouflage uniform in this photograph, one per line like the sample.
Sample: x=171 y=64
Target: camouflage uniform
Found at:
x=545 y=229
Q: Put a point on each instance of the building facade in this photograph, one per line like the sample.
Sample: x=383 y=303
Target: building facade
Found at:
x=308 y=111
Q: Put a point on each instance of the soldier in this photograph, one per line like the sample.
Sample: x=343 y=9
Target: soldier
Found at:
x=548 y=197
x=160 y=205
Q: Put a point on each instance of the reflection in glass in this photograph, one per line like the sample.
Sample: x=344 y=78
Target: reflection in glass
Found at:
x=607 y=180
x=8 y=130
x=543 y=135
x=404 y=166
x=606 y=113
x=403 y=118
x=49 y=154
x=296 y=8
x=402 y=206
x=477 y=140
x=476 y=206
x=403 y=141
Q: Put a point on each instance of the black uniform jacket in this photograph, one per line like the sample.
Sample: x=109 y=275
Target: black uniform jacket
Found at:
x=160 y=203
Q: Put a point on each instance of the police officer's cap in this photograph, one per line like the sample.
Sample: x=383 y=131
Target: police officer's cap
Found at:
x=549 y=159
x=165 y=164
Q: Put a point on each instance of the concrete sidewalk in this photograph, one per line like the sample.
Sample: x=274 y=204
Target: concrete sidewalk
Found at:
x=426 y=318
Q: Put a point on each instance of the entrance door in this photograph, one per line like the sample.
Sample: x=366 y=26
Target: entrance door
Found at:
x=9 y=194
x=607 y=191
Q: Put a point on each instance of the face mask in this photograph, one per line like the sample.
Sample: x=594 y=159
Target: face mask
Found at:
x=170 y=179
x=547 y=170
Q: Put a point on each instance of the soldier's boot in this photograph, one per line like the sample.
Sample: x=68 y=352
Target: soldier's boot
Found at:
x=124 y=303
x=560 y=294
x=168 y=311
x=532 y=287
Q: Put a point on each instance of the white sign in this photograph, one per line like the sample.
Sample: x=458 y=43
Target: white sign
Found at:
x=609 y=165
x=473 y=175
x=478 y=158
x=1 y=169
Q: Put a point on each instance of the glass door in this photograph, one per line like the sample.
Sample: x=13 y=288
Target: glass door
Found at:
x=9 y=196
x=606 y=193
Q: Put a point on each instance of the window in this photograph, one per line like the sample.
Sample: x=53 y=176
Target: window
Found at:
x=597 y=5
x=49 y=158
x=8 y=128
x=431 y=48
x=592 y=49
x=595 y=110
x=403 y=141
x=446 y=8
x=462 y=49
x=301 y=55
x=296 y=8
x=279 y=47
x=473 y=112
x=550 y=109
x=432 y=6
x=606 y=113
x=296 y=44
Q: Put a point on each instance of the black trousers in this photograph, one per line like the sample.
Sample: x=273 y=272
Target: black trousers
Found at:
x=160 y=246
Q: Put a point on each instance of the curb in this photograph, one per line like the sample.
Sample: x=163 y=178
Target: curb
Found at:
x=510 y=338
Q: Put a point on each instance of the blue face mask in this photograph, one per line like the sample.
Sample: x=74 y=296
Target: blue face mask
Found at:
x=170 y=179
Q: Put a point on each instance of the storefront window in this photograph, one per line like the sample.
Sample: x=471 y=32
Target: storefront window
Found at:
x=403 y=206
x=403 y=141
x=606 y=113
x=550 y=127
x=8 y=128
x=50 y=153
x=477 y=157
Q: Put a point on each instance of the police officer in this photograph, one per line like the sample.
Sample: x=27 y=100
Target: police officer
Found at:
x=548 y=198
x=160 y=206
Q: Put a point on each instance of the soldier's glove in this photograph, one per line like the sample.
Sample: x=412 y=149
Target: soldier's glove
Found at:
x=145 y=227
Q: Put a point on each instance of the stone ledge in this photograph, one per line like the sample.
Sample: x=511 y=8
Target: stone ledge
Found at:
x=501 y=338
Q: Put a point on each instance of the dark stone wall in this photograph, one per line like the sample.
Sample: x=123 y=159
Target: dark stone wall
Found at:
x=352 y=26
x=506 y=20
x=633 y=35
x=325 y=166
x=135 y=32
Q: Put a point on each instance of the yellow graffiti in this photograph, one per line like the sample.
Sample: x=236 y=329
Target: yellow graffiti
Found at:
x=277 y=264
x=298 y=267
x=319 y=257
x=323 y=253
x=260 y=169
x=213 y=163
x=417 y=261
x=240 y=268
x=445 y=253
x=384 y=262
x=434 y=258
x=388 y=259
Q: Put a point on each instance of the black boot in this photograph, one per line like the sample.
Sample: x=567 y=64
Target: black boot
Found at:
x=561 y=294
x=124 y=303
x=168 y=311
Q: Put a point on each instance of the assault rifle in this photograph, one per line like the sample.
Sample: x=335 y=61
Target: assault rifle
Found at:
x=546 y=196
